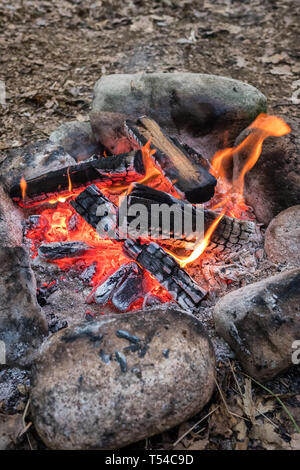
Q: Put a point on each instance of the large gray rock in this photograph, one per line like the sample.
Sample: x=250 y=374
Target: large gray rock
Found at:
x=282 y=241
x=109 y=130
x=261 y=322
x=273 y=184
x=33 y=160
x=76 y=138
x=22 y=324
x=11 y=222
x=112 y=382
x=196 y=106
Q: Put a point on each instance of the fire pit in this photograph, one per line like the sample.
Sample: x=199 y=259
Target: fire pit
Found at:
x=89 y=224
x=145 y=223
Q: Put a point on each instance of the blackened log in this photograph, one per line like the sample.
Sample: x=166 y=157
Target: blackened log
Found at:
x=122 y=288
x=167 y=271
x=97 y=210
x=109 y=171
x=151 y=257
x=131 y=289
x=105 y=290
x=230 y=231
x=59 y=250
x=191 y=180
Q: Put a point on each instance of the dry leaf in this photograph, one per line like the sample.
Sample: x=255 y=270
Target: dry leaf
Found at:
x=242 y=445
x=269 y=438
x=241 y=430
x=143 y=24
x=10 y=428
x=281 y=70
x=199 y=445
x=262 y=408
x=295 y=441
x=275 y=58
x=249 y=408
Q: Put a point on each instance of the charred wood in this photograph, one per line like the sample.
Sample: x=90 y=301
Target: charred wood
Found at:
x=191 y=180
x=167 y=271
x=110 y=170
x=230 y=231
x=59 y=250
x=122 y=288
x=151 y=257
x=131 y=290
x=96 y=209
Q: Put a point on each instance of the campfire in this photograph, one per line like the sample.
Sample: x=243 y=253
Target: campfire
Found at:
x=76 y=214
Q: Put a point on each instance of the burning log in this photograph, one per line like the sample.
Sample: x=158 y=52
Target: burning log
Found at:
x=96 y=209
x=191 y=180
x=109 y=171
x=229 y=231
x=122 y=288
x=151 y=257
x=130 y=290
x=60 y=250
x=167 y=271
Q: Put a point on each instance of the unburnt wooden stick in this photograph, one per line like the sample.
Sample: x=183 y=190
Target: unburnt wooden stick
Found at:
x=167 y=271
x=111 y=170
x=191 y=180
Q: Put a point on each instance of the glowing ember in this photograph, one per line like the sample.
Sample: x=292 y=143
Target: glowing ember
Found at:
x=61 y=223
x=201 y=246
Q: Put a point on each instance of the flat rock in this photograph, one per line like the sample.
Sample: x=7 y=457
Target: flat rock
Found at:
x=76 y=138
x=22 y=324
x=194 y=106
x=282 y=241
x=112 y=382
x=33 y=160
x=261 y=322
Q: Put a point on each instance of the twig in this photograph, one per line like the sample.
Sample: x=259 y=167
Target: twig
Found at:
x=279 y=401
x=240 y=392
x=226 y=406
x=26 y=426
x=198 y=422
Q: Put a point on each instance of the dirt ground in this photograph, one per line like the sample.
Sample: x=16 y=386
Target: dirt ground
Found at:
x=52 y=53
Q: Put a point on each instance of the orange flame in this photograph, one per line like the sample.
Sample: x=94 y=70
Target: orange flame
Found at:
x=107 y=255
x=153 y=176
x=69 y=180
x=23 y=186
x=201 y=246
x=230 y=195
